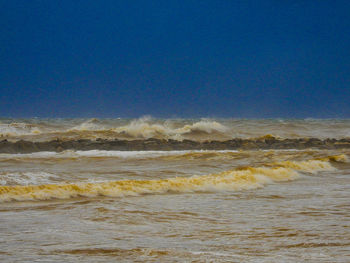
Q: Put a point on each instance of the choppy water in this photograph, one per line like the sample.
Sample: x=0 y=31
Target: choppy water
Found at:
x=167 y=206
x=178 y=129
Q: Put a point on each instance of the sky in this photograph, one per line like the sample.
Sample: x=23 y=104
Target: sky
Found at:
x=233 y=59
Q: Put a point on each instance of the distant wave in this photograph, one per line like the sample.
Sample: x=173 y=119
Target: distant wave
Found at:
x=264 y=142
x=17 y=129
x=231 y=180
x=144 y=129
x=165 y=129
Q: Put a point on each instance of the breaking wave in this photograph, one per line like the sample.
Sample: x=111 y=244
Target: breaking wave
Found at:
x=18 y=128
x=143 y=128
x=175 y=129
x=90 y=125
x=26 y=178
x=232 y=180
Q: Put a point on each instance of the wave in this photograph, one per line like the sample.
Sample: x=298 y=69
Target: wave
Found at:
x=26 y=178
x=172 y=155
x=166 y=129
x=18 y=128
x=232 y=180
x=178 y=129
x=143 y=128
x=152 y=144
x=89 y=125
x=69 y=154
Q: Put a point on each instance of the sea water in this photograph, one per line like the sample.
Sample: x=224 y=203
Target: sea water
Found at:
x=257 y=205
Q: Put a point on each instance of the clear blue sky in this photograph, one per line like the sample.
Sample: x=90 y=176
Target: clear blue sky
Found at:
x=248 y=59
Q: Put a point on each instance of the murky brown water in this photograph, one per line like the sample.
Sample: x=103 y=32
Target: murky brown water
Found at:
x=184 y=206
x=177 y=129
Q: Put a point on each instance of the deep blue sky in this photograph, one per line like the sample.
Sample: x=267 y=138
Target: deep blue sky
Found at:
x=248 y=59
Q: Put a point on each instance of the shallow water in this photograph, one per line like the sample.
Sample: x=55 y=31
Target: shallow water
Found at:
x=165 y=206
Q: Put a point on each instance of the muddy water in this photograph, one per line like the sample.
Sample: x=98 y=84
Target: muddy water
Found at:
x=176 y=206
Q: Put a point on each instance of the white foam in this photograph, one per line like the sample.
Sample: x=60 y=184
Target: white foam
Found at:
x=90 y=125
x=144 y=128
x=18 y=128
x=26 y=178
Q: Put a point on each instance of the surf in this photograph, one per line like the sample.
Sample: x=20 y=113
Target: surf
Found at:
x=244 y=178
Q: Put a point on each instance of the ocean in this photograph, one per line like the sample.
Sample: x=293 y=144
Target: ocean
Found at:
x=174 y=190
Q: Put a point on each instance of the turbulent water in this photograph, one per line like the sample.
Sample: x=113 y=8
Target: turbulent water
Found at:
x=248 y=204
x=177 y=129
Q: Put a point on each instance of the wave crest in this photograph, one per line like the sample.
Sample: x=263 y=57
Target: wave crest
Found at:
x=26 y=178
x=144 y=129
x=238 y=179
x=18 y=128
